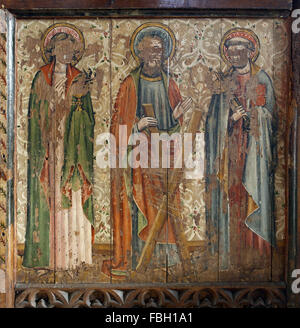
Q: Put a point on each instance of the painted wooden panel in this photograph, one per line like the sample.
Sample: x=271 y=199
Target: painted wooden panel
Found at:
x=222 y=82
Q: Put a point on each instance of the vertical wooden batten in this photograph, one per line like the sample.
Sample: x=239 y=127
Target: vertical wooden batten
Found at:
x=10 y=257
x=293 y=258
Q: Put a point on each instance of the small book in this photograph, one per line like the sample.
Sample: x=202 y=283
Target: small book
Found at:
x=149 y=112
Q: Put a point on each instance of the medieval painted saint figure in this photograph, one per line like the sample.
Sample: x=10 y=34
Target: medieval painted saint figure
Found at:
x=136 y=193
x=60 y=156
x=240 y=156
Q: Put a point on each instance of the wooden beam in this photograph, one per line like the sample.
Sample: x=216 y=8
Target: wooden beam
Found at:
x=154 y=4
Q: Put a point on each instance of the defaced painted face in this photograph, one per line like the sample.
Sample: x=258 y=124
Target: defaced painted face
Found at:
x=63 y=51
x=238 y=55
x=151 y=52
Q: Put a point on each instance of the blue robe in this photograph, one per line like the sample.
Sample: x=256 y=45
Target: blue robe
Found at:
x=258 y=171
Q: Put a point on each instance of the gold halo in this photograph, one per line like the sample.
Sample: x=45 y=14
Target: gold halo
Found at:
x=68 y=26
x=241 y=32
x=151 y=24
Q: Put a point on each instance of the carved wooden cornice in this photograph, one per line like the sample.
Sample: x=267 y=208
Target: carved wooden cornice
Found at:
x=153 y=297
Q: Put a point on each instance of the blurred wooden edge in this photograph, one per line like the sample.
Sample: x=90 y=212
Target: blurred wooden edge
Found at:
x=2 y=300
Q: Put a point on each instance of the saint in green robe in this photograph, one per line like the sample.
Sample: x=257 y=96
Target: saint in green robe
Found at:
x=76 y=172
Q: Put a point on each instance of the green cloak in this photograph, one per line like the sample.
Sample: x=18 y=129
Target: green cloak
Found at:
x=77 y=171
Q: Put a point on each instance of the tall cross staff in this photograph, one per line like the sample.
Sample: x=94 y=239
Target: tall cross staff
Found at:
x=161 y=217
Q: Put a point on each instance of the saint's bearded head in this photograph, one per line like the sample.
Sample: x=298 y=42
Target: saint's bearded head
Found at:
x=151 y=52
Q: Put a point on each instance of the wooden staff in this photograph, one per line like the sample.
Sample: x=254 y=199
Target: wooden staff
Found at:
x=161 y=217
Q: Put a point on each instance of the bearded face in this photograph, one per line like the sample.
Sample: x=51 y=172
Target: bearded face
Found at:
x=151 y=53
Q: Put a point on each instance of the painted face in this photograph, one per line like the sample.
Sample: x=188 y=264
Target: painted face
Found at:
x=238 y=55
x=152 y=53
x=63 y=51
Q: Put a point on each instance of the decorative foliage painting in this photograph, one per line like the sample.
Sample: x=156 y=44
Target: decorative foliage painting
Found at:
x=151 y=150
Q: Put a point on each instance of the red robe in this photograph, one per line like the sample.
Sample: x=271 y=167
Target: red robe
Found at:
x=147 y=186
